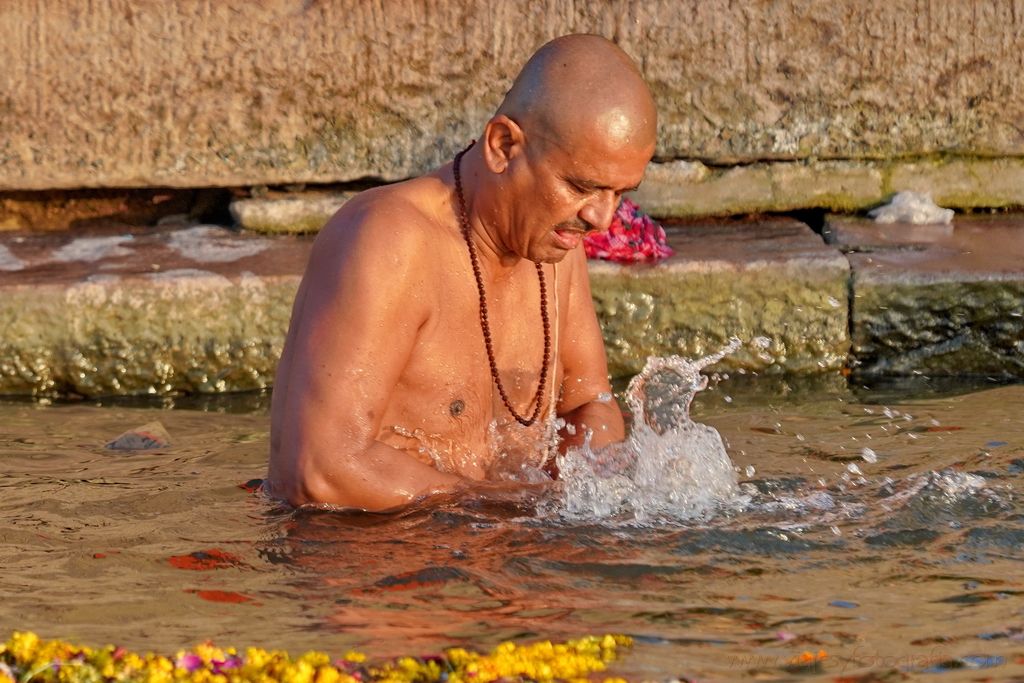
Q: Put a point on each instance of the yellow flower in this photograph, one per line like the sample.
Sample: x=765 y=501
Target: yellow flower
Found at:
x=22 y=645
x=26 y=657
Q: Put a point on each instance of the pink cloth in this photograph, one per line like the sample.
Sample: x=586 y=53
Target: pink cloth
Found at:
x=632 y=238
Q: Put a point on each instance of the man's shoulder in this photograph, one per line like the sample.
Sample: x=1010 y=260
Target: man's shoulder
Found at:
x=394 y=218
x=378 y=247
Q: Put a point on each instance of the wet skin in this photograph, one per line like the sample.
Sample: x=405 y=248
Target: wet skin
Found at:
x=385 y=359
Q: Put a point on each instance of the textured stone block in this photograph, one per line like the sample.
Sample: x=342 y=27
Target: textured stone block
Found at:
x=775 y=285
x=690 y=189
x=837 y=185
x=296 y=214
x=936 y=300
x=151 y=93
x=206 y=309
x=963 y=183
x=198 y=310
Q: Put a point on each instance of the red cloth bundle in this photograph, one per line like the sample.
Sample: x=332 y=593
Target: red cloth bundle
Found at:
x=632 y=238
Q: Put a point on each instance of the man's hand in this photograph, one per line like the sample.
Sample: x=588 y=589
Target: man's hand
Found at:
x=602 y=418
x=613 y=459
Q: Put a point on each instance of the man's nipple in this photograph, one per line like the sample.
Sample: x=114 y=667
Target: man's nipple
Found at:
x=456 y=407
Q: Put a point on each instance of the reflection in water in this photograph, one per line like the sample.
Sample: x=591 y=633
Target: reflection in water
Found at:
x=908 y=561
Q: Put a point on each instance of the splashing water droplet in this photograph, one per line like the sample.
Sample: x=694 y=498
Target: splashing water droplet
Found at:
x=869 y=455
x=669 y=467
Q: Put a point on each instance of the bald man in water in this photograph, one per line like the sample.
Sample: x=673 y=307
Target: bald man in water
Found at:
x=387 y=390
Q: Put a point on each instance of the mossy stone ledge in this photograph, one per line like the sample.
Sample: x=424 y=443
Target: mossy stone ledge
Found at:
x=684 y=189
x=936 y=299
x=772 y=283
x=199 y=310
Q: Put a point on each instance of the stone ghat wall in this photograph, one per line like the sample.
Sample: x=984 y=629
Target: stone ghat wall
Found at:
x=771 y=104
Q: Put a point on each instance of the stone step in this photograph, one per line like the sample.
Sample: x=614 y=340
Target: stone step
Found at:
x=205 y=309
x=936 y=299
x=296 y=213
x=686 y=189
x=773 y=283
x=202 y=309
x=689 y=188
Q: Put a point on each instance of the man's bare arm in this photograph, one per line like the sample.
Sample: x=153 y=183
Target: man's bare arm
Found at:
x=586 y=401
x=363 y=302
x=602 y=419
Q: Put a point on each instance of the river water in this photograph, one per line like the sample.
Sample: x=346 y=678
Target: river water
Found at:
x=881 y=531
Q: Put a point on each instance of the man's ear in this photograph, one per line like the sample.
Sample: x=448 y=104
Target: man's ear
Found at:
x=503 y=141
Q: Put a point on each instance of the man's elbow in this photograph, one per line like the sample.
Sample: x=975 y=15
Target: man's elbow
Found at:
x=314 y=489
x=303 y=488
x=317 y=488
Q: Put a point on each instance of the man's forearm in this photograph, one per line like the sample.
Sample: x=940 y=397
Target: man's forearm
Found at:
x=602 y=418
x=379 y=478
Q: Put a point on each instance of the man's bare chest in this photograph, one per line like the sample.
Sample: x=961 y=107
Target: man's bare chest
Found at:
x=450 y=356
x=449 y=387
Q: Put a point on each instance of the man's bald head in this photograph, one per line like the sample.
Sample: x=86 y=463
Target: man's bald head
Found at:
x=583 y=84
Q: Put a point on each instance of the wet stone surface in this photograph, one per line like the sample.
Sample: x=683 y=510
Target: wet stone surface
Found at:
x=936 y=299
x=771 y=282
x=205 y=309
x=201 y=309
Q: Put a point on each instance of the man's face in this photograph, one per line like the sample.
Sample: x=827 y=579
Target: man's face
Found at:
x=565 y=189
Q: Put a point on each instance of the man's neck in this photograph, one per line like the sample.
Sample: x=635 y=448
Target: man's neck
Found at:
x=484 y=216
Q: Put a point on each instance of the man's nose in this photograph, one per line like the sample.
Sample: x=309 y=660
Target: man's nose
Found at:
x=599 y=211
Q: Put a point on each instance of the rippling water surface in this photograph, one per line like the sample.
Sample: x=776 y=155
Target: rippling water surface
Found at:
x=883 y=530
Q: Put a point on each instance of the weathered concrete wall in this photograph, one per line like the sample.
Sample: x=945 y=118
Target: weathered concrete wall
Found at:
x=134 y=93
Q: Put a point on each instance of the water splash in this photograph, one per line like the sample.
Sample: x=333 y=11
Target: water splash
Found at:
x=669 y=468
x=931 y=496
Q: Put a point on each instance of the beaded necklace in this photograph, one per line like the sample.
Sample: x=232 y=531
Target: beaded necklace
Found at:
x=485 y=324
